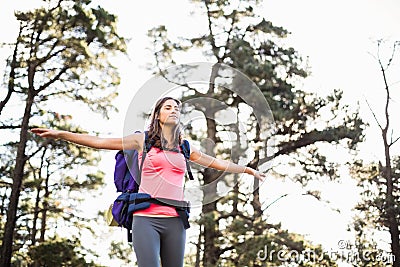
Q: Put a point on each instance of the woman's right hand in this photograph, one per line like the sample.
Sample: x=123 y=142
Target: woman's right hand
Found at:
x=46 y=133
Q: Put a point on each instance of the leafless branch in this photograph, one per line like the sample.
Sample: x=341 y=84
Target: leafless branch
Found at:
x=392 y=142
x=373 y=113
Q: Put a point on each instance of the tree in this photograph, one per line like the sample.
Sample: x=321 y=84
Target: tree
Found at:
x=63 y=253
x=121 y=252
x=240 y=39
x=379 y=209
x=61 y=52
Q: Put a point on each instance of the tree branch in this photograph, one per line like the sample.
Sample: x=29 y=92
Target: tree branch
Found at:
x=327 y=135
x=211 y=36
x=373 y=114
x=392 y=142
x=2 y=127
x=11 y=79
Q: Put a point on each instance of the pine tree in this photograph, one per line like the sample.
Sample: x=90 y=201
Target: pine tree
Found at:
x=61 y=52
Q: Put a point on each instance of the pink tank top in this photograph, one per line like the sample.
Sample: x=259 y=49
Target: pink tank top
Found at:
x=162 y=176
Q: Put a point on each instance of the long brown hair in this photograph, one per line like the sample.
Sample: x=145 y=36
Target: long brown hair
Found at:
x=155 y=130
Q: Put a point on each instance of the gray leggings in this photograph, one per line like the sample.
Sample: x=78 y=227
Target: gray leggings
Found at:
x=156 y=238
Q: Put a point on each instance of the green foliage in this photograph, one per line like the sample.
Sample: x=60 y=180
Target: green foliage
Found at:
x=249 y=240
x=52 y=186
x=67 y=45
x=59 y=252
x=119 y=251
x=372 y=218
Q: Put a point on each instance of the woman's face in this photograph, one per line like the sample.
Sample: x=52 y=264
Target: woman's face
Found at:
x=169 y=113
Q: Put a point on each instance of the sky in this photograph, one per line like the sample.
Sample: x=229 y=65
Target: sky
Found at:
x=338 y=40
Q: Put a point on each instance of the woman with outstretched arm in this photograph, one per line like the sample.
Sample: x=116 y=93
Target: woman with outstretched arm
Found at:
x=158 y=234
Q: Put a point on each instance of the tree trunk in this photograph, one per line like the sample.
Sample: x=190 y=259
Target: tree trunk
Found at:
x=211 y=251
x=3 y=208
x=256 y=191
x=210 y=228
x=390 y=207
x=35 y=216
x=199 y=246
x=45 y=209
x=210 y=232
x=6 y=251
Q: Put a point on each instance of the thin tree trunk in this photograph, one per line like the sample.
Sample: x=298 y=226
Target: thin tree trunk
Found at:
x=210 y=232
x=390 y=203
x=35 y=216
x=3 y=208
x=6 y=251
x=390 y=209
x=45 y=209
x=199 y=247
x=256 y=191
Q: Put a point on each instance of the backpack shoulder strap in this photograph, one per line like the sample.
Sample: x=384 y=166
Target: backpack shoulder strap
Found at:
x=185 y=148
x=147 y=143
x=146 y=147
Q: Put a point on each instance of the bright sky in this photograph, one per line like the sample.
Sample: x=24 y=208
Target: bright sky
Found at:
x=336 y=36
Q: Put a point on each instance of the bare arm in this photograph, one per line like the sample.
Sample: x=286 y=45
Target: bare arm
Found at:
x=222 y=165
x=133 y=141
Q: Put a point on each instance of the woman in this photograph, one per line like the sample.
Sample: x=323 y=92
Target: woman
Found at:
x=157 y=231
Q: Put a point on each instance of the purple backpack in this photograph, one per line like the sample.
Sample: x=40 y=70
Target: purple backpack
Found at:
x=126 y=170
x=127 y=175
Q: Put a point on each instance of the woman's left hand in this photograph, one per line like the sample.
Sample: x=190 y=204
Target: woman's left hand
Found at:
x=259 y=175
